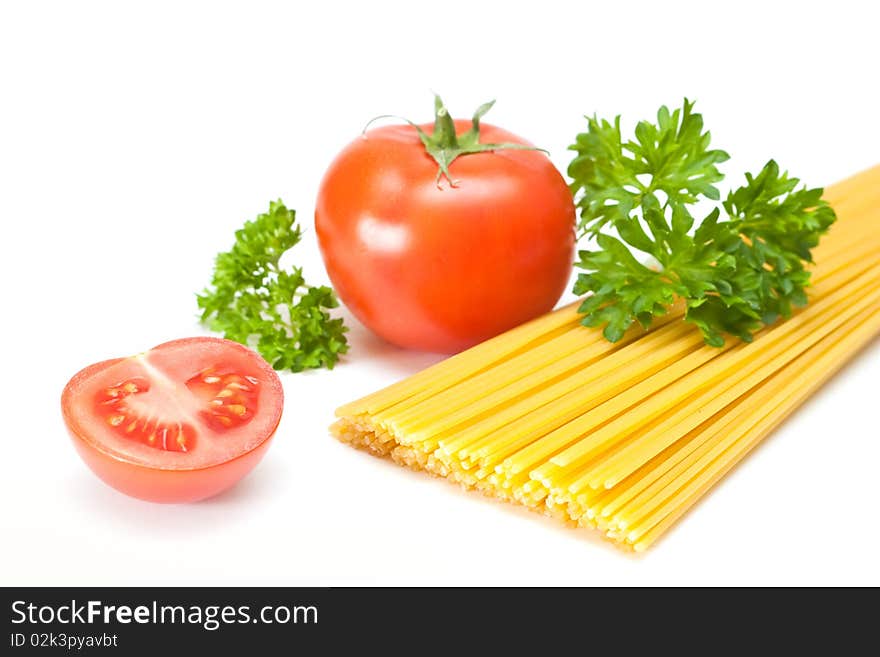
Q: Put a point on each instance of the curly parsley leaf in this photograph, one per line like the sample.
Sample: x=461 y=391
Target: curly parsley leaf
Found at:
x=253 y=301
x=735 y=274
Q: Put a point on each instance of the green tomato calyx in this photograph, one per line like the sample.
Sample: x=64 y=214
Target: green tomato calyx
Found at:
x=444 y=145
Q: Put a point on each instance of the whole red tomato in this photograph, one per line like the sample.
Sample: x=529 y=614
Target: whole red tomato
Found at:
x=439 y=258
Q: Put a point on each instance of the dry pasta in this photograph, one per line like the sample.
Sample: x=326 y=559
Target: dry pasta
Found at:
x=626 y=437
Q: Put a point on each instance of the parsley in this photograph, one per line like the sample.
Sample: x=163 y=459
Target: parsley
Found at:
x=253 y=301
x=735 y=274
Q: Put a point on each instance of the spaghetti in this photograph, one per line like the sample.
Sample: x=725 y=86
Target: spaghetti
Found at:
x=626 y=437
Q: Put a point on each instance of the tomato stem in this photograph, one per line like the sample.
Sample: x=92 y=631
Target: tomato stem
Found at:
x=444 y=136
x=444 y=145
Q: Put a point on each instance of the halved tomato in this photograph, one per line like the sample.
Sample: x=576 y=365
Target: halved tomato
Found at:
x=178 y=423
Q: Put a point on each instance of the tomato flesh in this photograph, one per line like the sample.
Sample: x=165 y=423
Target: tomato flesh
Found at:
x=117 y=404
x=232 y=399
x=193 y=409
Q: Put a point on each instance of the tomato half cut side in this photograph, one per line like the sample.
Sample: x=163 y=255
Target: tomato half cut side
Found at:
x=181 y=422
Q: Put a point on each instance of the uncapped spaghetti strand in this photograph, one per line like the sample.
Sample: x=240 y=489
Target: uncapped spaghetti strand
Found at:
x=801 y=382
x=577 y=386
x=505 y=442
x=605 y=412
x=507 y=391
x=696 y=488
x=556 y=477
x=500 y=417
x=661 y=346
x=519 y=337
x=725 y=431
x=417 y=412
x=623 y=499
x=653 y=476
x=468 y=362
x=658 y=382
x=832 y=250
x=605 y=503
x=623 y=462
x=411 y=417
x=865 y=184
x=627 y=453
x=722 y=366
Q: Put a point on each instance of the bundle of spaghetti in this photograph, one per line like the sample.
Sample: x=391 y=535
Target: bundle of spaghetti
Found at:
x=625 y=437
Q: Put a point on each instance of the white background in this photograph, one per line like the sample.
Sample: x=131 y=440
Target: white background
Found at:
x=136 y=137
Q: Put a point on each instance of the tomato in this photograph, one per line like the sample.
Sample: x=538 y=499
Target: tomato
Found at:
x=440 y=266
x=181 y=422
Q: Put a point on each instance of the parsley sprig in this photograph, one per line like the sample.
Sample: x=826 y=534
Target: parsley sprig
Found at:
x=254 y=301
x=735 y=274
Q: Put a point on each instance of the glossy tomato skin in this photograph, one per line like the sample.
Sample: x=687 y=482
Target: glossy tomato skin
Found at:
x=167 y=486
x=443 y=268
x=163 y=484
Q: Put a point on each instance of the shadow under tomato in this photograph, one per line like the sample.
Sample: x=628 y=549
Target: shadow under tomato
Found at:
x=179 y=519
x=367 y=347
x=265 y=481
